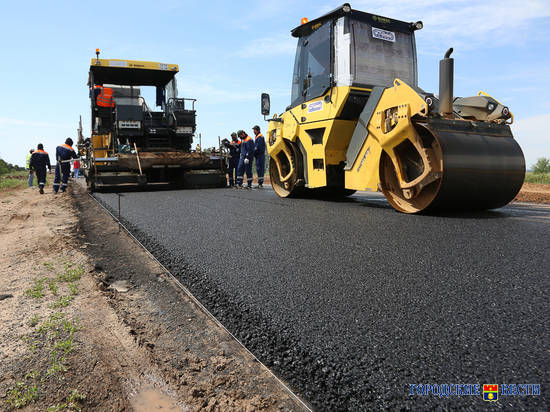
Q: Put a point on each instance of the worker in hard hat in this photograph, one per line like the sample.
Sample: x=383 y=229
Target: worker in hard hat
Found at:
x=39 y=161
x=234 y=147
x=31 y=172
x=245 y=161
x=259 y=155
x=64 y=153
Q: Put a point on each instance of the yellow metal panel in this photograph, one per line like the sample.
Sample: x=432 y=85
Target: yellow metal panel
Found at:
x=134 y=64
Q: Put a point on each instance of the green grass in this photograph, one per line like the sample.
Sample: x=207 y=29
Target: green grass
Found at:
x=49 y=266
x=62 y=302
x=13 y=180
x=70 y=274
x=543 y=178
x=73 y=288
x=21 y=395
x=72 y=403
x=37 y=291
x=52 y=286
x=34 y=321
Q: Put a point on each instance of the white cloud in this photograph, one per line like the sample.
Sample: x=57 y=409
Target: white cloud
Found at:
x=464 y=24
x=533 y=136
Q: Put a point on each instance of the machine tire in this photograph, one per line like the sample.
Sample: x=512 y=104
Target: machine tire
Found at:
x=290 y=188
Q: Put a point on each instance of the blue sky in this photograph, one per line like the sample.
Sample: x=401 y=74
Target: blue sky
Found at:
x=230 y=52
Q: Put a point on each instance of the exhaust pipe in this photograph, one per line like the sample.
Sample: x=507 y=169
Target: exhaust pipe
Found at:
x=446 y=79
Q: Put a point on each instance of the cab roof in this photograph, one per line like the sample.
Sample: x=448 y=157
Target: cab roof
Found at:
x=345 y=10
x=131 y=72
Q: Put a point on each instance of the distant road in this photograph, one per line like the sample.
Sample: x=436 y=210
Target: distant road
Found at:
x=350 y=302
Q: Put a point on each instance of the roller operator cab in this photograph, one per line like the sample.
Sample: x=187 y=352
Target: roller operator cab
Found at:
x=358 y=121
x=138 y=143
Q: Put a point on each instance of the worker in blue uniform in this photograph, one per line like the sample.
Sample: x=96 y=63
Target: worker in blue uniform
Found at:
x=234 y=147
x=259 y=155
x=64 y=153
x=39 y=161
x=245 y=161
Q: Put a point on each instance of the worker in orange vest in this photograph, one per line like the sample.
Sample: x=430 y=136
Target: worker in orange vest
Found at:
x=245 y=162
x=40 y=160
x=104 y=96
x=64 y=153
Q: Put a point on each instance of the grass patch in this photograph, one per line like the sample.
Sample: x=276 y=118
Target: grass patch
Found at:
x=22 y=394
x=33 y=321
x=73 y=289
x=52 y=286
x=49 y=266
x=12 y=182
x=37 y=291
x=72 y=404
x=51 y=323
x=62 y=302
x=541 y=178
x=70 y=274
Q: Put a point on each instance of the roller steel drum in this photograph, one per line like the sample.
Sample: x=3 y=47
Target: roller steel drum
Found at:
x=483 y=167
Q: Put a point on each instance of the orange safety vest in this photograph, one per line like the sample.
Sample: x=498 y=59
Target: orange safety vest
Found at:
x=259 y=135
x=41 y=151
x=66 y=146
x=247 y=139
x=105 y=97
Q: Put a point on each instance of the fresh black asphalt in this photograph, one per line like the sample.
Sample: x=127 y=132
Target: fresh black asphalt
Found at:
x=351 y=302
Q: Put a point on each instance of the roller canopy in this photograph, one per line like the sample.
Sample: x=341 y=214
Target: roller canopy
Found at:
x=131 y=73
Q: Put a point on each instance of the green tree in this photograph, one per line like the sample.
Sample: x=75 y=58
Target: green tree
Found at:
x=3 y=167
x=542 y=166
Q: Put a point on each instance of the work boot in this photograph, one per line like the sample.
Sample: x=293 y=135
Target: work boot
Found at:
x=41 y=191
x=260 y=186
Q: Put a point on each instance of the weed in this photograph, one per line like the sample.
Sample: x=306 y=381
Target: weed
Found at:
x=62 y=302
x=51 y=323
x=72 y=402
x=33 y=321
x=52 y=286
x=49 y=266
x=76 y=396
x=56 y=366
x=31 y=375
x=70 y=327
x=37 y=291
x=70 y=274
x=65 y=346
x=73 y=288
x=22 y=395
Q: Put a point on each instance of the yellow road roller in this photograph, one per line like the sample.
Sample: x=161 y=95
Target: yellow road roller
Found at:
x=358 y=121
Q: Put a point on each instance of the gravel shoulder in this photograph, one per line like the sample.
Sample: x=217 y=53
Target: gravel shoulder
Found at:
x=91 y=322
x=534 y=193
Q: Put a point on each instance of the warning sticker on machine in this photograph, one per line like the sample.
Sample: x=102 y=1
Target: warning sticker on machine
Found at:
x=315 y=106
x=383 y=34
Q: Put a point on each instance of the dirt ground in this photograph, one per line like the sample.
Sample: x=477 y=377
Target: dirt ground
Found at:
x=534 y=193
x=91 y=322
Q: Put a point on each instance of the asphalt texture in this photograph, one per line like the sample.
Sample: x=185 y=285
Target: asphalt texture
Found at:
x=351 y=302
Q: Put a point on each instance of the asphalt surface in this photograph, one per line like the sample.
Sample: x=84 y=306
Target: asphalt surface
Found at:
x=351 y=302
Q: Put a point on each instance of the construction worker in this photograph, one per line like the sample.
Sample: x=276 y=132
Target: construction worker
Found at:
x=76 y=169
x=64 y=153
x=234 y=147
x=38 y=163
x=31 y=172
x=245 y=161
x=259 y=155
